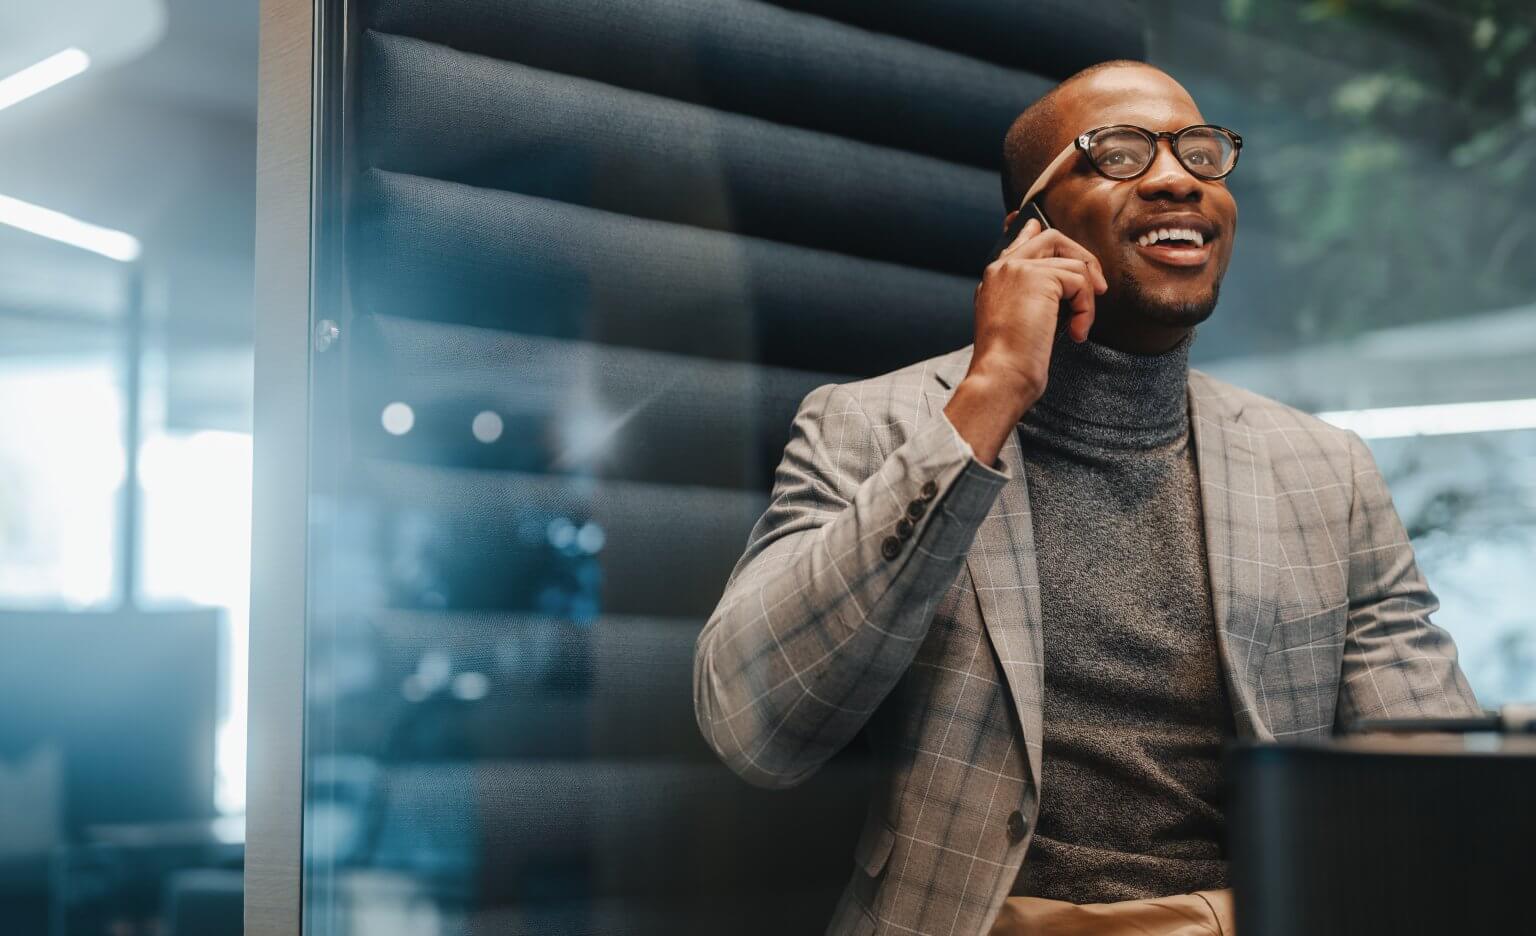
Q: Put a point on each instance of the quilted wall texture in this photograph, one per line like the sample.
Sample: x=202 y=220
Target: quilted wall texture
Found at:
x=602 y=249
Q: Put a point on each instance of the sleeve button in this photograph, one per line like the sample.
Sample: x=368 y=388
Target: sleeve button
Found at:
x=904 y=528
x=890 y=547
x=930 y=490
x=916 y=509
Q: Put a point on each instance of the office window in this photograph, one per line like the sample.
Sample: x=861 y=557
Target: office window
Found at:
x=1382 y=276
x=61 y=475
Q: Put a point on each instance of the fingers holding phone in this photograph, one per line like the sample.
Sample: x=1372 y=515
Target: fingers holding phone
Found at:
x=1040 y=276
x=1038 y=282
x=1035 y=281
x=1053 y=252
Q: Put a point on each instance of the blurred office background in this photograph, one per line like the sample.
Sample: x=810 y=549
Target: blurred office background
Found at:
x=1384 y=276
x=127 y=178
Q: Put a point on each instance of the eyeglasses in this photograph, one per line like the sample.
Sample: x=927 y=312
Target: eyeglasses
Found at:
x=1124 y=151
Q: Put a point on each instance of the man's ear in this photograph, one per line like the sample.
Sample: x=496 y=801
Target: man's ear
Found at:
x=1008 y=218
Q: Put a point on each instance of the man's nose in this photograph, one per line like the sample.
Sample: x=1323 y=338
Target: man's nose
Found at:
x=1167 y=178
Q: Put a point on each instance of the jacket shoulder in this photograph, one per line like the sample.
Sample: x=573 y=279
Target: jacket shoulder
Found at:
x=890 y=405
x=900 y=394
x=1303 y=431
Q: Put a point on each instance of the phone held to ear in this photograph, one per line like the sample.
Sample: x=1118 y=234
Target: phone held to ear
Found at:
x=1030 y=209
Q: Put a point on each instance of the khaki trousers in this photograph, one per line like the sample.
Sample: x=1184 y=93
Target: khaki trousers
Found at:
x=1203 y=913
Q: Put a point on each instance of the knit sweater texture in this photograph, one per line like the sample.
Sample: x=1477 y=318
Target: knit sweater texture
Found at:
x=1136 y=711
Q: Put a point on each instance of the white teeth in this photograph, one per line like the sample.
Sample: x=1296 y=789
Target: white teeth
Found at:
x=1162 y=234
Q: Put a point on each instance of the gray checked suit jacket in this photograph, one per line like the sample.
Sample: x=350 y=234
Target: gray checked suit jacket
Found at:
x=832 y=623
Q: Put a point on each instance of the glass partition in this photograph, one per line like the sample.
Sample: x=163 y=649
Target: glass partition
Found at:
x=577 y=264
x=1383 y=279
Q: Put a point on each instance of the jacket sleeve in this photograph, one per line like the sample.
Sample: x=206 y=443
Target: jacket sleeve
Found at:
x=1397 y=662
x=830 y=602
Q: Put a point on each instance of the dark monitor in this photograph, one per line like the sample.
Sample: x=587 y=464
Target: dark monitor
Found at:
x=1384 y=836
x=124 y=704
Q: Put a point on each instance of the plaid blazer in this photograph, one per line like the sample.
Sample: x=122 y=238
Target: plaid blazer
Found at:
x=891 y=587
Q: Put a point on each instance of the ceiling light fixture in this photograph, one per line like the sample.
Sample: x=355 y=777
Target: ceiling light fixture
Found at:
x=1395 y=422
x=60 y=66
x=58 y=226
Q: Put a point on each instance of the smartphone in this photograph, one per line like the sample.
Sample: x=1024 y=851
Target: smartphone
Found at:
x=1030 y=209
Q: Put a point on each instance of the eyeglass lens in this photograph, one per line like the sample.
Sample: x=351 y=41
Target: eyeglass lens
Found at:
x=1124 y=152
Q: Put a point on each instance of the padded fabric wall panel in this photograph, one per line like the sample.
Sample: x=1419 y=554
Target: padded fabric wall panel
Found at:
x=439 y=250
x=636 y=828
x=1053 y=37
x=638 y=232
x=649 y=408
x=434 y=111
x=758 y=913
x=616 y=687
x=656 y=547
x=747 y=58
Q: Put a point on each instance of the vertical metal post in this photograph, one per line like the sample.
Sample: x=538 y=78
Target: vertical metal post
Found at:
x=280 y=485
x=133 y=377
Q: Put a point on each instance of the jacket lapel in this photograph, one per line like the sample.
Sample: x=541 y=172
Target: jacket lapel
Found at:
x=1242 y=543
x=1237 y=498
x=1002 y=567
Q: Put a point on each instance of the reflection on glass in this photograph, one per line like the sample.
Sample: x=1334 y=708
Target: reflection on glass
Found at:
x=579 y=299
x=1379 y=284
x=62 y=465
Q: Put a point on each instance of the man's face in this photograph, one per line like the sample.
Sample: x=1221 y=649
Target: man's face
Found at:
x=1149 y=294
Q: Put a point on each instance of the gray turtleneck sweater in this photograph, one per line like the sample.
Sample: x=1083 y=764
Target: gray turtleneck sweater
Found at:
x=1135 y=708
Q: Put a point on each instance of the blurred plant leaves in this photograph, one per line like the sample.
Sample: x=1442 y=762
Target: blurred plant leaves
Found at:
x=1403 y=185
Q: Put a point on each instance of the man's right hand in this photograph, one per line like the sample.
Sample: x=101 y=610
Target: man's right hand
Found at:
x=1018 y=311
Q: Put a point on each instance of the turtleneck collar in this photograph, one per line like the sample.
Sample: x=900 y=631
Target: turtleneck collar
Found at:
x=1112 y=398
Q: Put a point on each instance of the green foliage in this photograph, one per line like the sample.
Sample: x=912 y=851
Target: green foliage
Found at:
x=1399 y=166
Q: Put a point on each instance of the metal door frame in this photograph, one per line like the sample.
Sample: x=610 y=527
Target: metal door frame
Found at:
x=285 y=242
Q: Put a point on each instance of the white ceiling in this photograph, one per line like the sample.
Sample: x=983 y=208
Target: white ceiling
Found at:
x=112 y=32
x=157 y=139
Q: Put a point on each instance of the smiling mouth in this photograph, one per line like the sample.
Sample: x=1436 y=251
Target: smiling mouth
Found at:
x=1175 y=246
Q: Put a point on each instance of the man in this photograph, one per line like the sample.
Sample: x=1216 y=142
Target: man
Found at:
x=1051 y=573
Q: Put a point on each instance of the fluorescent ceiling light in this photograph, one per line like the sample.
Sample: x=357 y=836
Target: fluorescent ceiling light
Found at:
x=61 y=227
x=1395 y=422
x=50 y=71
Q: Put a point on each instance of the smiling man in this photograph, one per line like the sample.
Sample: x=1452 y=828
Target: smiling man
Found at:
x=1052 y=573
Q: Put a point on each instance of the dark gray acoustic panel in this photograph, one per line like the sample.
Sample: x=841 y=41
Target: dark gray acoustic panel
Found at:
x=594 y=255
x=555 y=399
x=502 y=125
x=615 y=688
x=490 y=547
x=637 y=828
x=1053 y=38
x=749 y=58
x=424 y=248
